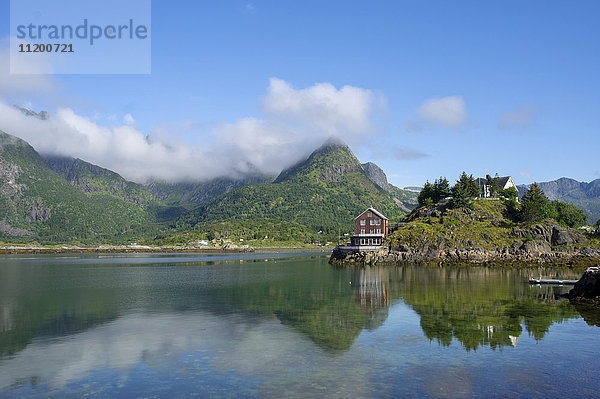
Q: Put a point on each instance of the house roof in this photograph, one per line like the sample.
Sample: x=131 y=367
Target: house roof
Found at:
x=501 y=181
x=375 y=211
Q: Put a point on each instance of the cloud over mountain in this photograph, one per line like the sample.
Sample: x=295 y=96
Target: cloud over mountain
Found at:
x=294 y=122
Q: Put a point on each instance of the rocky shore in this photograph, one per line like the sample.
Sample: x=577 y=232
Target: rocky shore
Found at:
x=587 y=289
x=580 y=259
x=542 y=243
x=14 y=249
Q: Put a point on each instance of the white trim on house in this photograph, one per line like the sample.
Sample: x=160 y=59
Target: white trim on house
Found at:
x=375 y=211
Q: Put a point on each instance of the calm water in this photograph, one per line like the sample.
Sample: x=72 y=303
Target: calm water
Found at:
x=286 y=325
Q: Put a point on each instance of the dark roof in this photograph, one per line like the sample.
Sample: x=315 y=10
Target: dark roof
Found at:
x=480 y=181
x=375 y=211
x=501 y=181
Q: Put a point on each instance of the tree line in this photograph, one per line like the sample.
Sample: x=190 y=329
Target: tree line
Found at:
x=533 y=207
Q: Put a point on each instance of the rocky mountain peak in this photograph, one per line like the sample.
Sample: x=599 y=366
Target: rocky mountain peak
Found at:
x=330 y=162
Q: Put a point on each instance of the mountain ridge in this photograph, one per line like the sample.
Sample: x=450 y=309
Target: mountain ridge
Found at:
x=37 y=203
x=55 y=198
x=585 y=195
x=324 y=192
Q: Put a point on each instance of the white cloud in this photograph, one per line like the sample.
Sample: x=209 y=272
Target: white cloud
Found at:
x=322 y=107
x=522 y=117
x=160 y=342
x=525 y=174
x=296 y=122
x=447 y=112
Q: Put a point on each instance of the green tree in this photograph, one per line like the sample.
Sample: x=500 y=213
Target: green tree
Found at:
x=569 y=214
x=468 y=185
x=535 y=206
x=461 y=197
x=510 y=193
x=426 y=194
x=432 y=193
x=462 y=192
x=597 y=227
x=441 y=189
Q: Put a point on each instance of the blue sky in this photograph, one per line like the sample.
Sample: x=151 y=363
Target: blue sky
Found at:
x=501 y=87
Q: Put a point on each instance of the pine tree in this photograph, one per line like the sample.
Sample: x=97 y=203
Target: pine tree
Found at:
x=441 y=189
x=462 y=192
x=534 y=205
x=426 y=194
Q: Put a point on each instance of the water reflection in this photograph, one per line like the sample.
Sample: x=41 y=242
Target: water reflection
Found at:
x=480 y=306
x=59 y=322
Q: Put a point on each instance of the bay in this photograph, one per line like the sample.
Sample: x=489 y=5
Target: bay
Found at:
x=286 y=325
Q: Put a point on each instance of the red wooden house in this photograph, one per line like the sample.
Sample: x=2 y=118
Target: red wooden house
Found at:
x=371 y=228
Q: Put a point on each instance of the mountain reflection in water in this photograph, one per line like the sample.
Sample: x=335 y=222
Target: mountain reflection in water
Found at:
x=91 y=316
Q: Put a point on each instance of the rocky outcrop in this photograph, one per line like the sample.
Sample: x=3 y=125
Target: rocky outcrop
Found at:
x=13 y=231
x=587 y=289
x=535 y=244
x=377 y=175
x=531 y=252
x=481 y=234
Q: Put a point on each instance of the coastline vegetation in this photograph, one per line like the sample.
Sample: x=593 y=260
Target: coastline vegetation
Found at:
x=534 y=206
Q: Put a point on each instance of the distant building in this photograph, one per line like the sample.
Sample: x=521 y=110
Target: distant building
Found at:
x=371 y=228
x=503 y=182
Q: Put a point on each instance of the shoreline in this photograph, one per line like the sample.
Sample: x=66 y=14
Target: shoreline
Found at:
x=92 y=249
x=575 y=260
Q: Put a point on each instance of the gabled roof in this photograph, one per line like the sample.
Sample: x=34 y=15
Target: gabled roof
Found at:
x=375 y=211
x=501 y=181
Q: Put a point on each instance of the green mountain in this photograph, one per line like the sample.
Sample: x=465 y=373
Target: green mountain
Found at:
x=190 y=195
x=93 y=179
x=37 y=204
x=53 y=199
x=324 y=193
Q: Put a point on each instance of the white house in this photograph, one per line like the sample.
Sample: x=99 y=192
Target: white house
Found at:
x=503 y=182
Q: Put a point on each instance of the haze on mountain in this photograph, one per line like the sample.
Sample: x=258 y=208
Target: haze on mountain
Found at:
x=53 y=198
x=293 y=123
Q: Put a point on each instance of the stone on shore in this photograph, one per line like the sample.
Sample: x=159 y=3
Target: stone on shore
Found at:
x=587 y=289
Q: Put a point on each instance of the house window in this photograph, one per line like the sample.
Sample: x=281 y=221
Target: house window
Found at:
x=362 y=231
x=362 y=222
x=378 y=222
x=372 y=231
x=369 y=214
x=372 y=222
x=378 y=231
x=362 y=241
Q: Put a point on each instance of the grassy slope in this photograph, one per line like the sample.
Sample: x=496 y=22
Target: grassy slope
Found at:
x=486 y=226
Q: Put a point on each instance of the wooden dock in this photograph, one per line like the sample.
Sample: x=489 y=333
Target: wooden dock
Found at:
x=551 y=281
